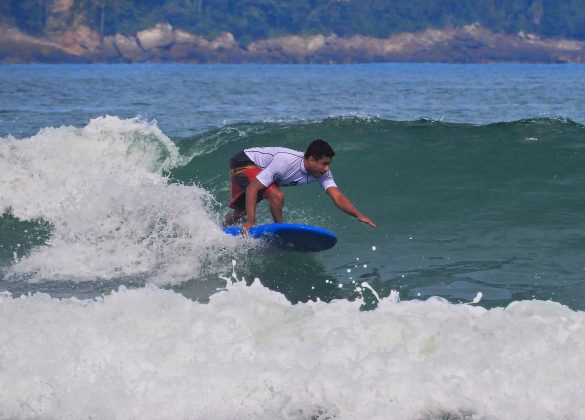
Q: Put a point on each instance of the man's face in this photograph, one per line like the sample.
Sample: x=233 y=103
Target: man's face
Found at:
x=316 y=167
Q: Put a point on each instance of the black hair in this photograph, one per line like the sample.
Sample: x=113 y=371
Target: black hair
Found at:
x=319 y=148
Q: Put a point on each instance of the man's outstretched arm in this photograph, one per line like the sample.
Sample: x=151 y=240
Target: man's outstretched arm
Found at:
x=343 y=203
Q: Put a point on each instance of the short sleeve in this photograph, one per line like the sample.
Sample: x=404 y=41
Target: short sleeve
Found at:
x=327 y=181
x=273 y=172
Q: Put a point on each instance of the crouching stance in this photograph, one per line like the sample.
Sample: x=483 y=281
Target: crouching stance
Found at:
x=259 y=173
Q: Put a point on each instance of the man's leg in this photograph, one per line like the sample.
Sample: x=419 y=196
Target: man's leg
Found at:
x=276 y=200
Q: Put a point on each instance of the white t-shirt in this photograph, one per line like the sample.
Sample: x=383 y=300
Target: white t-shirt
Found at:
x=284 y=167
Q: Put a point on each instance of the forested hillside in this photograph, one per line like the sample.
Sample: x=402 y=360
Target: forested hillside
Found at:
x=251 y=20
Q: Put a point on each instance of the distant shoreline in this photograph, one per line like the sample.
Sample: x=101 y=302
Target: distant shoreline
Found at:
x=165 y=44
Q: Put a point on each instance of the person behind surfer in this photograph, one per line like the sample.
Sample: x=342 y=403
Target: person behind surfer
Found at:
x=258 y=173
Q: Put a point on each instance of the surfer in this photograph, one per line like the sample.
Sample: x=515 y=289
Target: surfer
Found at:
x=258 y=173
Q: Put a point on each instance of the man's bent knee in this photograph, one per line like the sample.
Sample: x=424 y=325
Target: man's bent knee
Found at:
x=274 y=194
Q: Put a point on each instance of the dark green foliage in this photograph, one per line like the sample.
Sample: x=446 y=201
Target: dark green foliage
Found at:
x=29 y=15
x=6 y=13
x=256 y=19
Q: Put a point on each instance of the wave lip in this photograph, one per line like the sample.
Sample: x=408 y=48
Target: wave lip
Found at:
x=103 y=190
x=44 y=172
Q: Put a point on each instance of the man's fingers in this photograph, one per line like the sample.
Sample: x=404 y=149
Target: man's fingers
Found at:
x=245 y=228
x=367 y=221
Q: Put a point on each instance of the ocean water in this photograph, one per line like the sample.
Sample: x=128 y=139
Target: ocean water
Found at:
x=123 y=298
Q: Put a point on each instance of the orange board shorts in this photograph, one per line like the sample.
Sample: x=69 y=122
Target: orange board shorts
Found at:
x=242 y=172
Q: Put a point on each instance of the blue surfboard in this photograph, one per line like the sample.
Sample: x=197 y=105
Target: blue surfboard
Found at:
x=303 y=238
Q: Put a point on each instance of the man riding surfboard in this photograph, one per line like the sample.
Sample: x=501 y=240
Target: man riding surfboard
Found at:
x=258 y=173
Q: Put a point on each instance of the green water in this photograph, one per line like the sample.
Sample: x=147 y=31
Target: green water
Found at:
x=460 y=208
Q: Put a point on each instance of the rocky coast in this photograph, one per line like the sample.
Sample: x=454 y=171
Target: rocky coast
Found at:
x=163 y=43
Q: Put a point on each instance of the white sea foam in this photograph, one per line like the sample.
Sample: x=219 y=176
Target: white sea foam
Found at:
x=249 y=353
x=112 y=211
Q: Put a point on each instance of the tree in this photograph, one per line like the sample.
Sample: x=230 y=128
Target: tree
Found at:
x=253 y=19
x=30 y=15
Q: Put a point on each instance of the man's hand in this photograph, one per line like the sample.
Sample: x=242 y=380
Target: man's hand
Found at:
x=366 y=220
x=343 y=203
x=246 y=227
